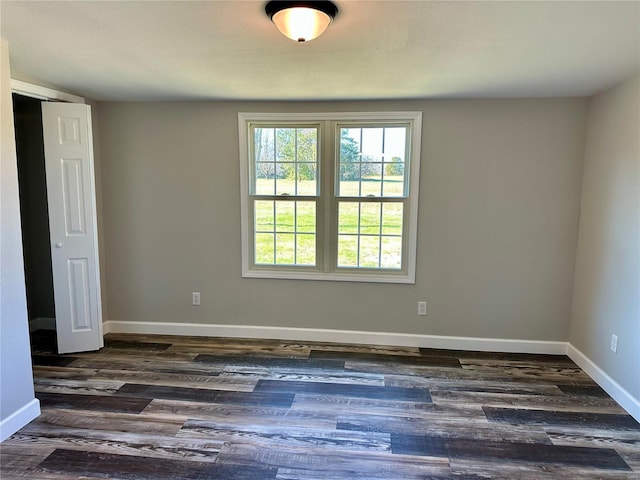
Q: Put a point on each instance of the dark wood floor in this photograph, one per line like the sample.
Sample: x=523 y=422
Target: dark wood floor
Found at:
x=160 y=407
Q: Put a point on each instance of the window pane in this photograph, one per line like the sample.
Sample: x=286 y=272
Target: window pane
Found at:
x=372 y=161
x=265 y=186
x=264 y=145
x=286 y=186
x=393 y=184
x=307 y=161
x=285 y=249
x=307 y=145
x=350 y=161
x=371 y=183
x=372 y=144
x=369 y=251
x=286 y=161
x=395 y=142
x=307 y=179
x=285 y=145
x=264 y=215
x=305 y=250
x=355 y=134
x=285 y=150
x=395 y=147
x=348 y=251
x=370 y=218
x=348 y=217
x=392 y=218
x=350 y=180
x=285 y=216
x=391 y=256
x=294 y=225
x=305 y=217
x=265 y=248
x=265 y=167
x=296 y=151
x=370 y=234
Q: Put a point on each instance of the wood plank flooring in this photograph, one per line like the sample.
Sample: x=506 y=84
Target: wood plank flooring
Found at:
x=162 y=407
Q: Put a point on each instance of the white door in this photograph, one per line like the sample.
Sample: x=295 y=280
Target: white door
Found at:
x=68 y=151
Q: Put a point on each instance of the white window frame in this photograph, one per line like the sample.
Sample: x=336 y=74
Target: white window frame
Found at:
x=327 y=236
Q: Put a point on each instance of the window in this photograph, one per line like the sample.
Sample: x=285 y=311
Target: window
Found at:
x=330 y=196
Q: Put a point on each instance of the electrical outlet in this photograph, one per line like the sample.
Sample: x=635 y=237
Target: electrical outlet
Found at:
x=614 y=343
x=422 y=308
x=195 y=298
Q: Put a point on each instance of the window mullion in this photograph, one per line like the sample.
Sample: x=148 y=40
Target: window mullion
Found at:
x=380 y=234
x=295 y=232
x=329 y=157
x=359 y=233
x=383 y=157
x=295 y=163
x=274 y=230
x=275 y=161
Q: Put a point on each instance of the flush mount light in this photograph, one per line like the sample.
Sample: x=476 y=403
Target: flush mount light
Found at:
x=301 y=21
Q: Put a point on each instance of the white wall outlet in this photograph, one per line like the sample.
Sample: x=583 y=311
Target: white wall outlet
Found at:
x=422 y=308
x=195 y=298
x=614 y=343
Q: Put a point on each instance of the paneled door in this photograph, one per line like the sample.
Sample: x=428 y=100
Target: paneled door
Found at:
x=68 y=149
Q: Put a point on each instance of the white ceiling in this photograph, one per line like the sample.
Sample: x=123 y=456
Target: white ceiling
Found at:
x=151 y=50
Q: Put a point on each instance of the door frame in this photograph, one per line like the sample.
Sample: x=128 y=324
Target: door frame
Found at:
x=42 y=93
x=48 y=94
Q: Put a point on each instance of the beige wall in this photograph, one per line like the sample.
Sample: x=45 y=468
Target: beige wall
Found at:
x=500 y=189
x=606 y=296
x=17 y=404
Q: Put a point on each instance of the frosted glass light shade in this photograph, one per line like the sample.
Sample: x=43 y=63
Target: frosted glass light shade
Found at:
x=301 y=24
x=301 y=20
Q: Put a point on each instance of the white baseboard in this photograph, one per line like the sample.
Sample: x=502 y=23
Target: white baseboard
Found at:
x=608 y=384
x=624 y=398
x=345 y=336
x=42 y=323
x=19 y=419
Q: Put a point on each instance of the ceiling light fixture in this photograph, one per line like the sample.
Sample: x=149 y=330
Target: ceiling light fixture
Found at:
x=301 y=21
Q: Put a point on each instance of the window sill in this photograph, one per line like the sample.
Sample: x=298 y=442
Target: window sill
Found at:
x=401 y=278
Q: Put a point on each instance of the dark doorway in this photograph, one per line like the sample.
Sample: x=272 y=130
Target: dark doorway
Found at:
x=35 y=221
